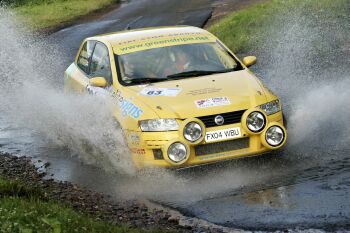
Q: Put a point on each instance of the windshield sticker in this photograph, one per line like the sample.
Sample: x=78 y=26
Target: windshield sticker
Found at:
x=212 y=102
x=160 y=92
x=163 y=41
x=127 y=107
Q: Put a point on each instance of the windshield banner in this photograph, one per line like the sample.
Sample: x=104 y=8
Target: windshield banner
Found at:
x=162 y=41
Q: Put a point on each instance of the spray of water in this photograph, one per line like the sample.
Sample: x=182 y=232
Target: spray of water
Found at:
x=298 y=63
x=32 y=98
x=306 y=61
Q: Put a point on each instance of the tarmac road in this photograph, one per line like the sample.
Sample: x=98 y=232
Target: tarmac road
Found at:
x=304 y=186
x=136 y=14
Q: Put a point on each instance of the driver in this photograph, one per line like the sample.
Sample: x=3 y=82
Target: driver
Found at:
x=181 y=63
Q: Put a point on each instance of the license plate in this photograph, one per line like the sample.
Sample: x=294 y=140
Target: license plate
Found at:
x=223 y=134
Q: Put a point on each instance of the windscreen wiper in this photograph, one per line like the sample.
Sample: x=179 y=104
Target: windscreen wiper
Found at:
x=195 y=73
x=144 y=80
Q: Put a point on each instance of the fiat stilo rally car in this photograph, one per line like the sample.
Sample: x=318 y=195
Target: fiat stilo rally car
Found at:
x=181 y=96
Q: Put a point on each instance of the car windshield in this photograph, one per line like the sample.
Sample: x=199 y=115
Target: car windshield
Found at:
x=175 y=62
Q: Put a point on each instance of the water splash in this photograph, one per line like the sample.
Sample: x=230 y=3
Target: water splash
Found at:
x=297 y=61
x=32 y=97
x=306 y=62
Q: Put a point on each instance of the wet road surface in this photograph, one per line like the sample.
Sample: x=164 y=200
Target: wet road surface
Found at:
x=136 y=14
x=305 y=186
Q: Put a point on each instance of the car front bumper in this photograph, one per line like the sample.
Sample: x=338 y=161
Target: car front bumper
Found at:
x=149 y=149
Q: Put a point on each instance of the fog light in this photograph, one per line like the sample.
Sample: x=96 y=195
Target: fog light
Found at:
x=192 y=131
x=177 y=152
x=256 y=122
x=274 y=135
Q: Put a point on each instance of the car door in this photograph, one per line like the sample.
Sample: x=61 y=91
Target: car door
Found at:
x=76 y=76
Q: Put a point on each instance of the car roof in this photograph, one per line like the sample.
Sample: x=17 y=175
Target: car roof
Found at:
x=129 y=36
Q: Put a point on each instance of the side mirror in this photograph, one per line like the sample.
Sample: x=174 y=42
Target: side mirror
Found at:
x=249 y=61
x=98 y=82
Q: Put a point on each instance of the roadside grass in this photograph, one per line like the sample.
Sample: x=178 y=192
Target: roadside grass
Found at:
x=244 y=30
x=24 y=209
x=15 y=188
x=50 y=14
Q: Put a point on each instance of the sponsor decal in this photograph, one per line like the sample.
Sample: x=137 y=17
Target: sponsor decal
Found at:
x=214 y=156
x=130 y=109
x=160 y=92
x=135 y=139
x=212 y=102
x=127 y=107
x=98 y=91
x=129 y=46
x=204 y=91
x=138 y=151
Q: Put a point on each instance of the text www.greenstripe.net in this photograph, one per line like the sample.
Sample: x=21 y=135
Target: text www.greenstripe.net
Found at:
x=174 y=40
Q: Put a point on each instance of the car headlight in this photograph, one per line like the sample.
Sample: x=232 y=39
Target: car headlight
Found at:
x=271 y=107
x=192 y=131
x=177 y=152
x=256 y=121
x=156 y=125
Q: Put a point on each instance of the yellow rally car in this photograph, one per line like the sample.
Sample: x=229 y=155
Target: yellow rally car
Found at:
x=182 y=97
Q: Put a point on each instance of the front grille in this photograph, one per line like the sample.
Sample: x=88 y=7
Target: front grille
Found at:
x=158 y=154
x=229 y=118
x=218 y=147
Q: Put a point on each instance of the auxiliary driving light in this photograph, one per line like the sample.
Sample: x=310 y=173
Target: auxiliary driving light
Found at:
x=256 y=121
x=192 y=131
x=177 y=152
x=274 y=135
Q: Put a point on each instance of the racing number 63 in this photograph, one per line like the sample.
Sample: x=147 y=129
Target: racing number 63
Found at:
x=154 y=93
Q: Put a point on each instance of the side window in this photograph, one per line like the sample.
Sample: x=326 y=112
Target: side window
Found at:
x=100 y=63
x=85 y=54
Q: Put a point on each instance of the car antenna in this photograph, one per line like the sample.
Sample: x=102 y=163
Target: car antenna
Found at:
x=128 y=26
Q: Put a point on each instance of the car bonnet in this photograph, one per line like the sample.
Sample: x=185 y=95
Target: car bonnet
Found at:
x=204 y=95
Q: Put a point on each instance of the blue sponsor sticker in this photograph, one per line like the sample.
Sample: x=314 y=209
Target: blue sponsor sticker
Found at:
x=130 y=109
x=127 y=107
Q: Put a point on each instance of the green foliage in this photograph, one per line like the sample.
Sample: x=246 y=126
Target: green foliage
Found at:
x=246 y=29
x=15 y=188
x=22 y=215
x=23 y=210
x=241 y=30
x=23 y=2
x=53 y=223
x=41 y=14
x=16 y=3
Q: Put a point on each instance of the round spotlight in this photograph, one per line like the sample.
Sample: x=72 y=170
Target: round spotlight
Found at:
x=256 y=122
x=274 y=136
x=192 y=131
x=177 y=152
